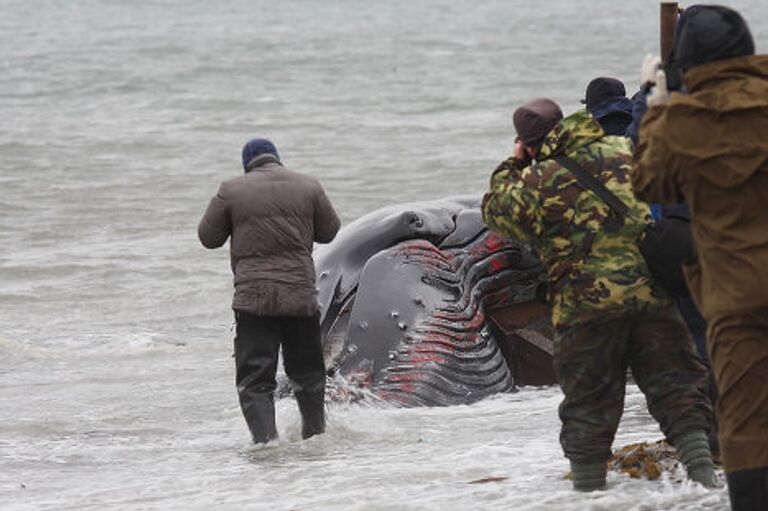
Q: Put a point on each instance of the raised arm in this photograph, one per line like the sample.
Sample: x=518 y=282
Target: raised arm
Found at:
x=509 y=207
x=655 y=167
x=326 y=221
x=216 y=225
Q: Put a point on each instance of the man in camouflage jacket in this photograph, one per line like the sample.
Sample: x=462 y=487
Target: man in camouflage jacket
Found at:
x=608 y=313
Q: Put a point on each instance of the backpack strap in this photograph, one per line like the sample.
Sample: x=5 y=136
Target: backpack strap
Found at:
x=590 y=182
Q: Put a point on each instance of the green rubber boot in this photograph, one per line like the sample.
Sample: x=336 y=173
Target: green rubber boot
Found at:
x=588 y=476
x=696 y=455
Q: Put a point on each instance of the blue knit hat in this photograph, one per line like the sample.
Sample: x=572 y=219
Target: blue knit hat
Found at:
x=257 y=147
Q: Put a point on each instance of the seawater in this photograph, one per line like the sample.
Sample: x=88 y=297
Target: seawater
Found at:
x=119 y=119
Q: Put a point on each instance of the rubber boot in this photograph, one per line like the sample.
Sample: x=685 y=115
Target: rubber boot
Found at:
x=748 y=489
x=695 y=454
x=259 y=412
x=312 y=409
x=588 y=476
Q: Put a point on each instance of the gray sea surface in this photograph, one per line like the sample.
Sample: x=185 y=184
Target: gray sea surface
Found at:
x=118 y=120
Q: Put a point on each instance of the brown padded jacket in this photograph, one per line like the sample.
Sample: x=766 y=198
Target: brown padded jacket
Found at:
x=710 y=148
x=273 y=216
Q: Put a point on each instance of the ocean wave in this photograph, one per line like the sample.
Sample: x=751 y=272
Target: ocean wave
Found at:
x=90 y=345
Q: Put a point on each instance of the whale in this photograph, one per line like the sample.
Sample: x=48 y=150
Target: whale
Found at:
x=413 y=302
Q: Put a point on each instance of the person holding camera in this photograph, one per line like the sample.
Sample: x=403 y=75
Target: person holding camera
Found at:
x=709 y=148
x=608 y=312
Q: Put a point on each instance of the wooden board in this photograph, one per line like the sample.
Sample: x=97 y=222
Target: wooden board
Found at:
x=525 y=337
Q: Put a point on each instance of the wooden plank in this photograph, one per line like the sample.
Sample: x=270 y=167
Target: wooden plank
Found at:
x=667 y=24
x=525 y=337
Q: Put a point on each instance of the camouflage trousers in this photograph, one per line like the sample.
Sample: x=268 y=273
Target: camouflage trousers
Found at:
x=591 y=362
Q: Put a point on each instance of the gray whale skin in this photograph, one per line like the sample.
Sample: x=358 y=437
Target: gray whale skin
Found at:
x=411 y=298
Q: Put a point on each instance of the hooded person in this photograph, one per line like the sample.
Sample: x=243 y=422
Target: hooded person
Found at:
x=272 y=216
x=707 y=146
x=607 y=311
x=606 y=99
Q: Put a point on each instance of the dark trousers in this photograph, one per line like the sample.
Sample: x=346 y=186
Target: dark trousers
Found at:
x=257 y=345
x=697 y=326
x=591 y=362
x=738 y=344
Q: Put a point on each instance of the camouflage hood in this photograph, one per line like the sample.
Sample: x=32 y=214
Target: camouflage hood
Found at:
x=571 y=134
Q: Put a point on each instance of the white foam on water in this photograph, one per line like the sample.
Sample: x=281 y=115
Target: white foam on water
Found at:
x=369 y=458
x=96 y=345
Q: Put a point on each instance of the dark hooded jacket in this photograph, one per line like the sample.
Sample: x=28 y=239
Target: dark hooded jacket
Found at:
x=709 y=148
x=614 y=115
x=273 y=216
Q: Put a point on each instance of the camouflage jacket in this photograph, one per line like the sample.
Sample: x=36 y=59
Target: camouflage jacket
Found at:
x=594 y=266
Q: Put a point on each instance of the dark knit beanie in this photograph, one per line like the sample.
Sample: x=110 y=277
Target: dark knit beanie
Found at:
x=257 y=147
x=535 y=119
x=711 y=32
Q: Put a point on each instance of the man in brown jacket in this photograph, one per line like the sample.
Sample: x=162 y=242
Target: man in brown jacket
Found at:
x=273 y=216
x=709 y=147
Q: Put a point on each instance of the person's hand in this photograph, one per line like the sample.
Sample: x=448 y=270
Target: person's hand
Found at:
x=521 y=155
x=519 y=151
x=654 y=80
x=651 y=66
x=659 y=95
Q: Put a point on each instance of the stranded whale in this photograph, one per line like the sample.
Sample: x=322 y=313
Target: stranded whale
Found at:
x=419 y=302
